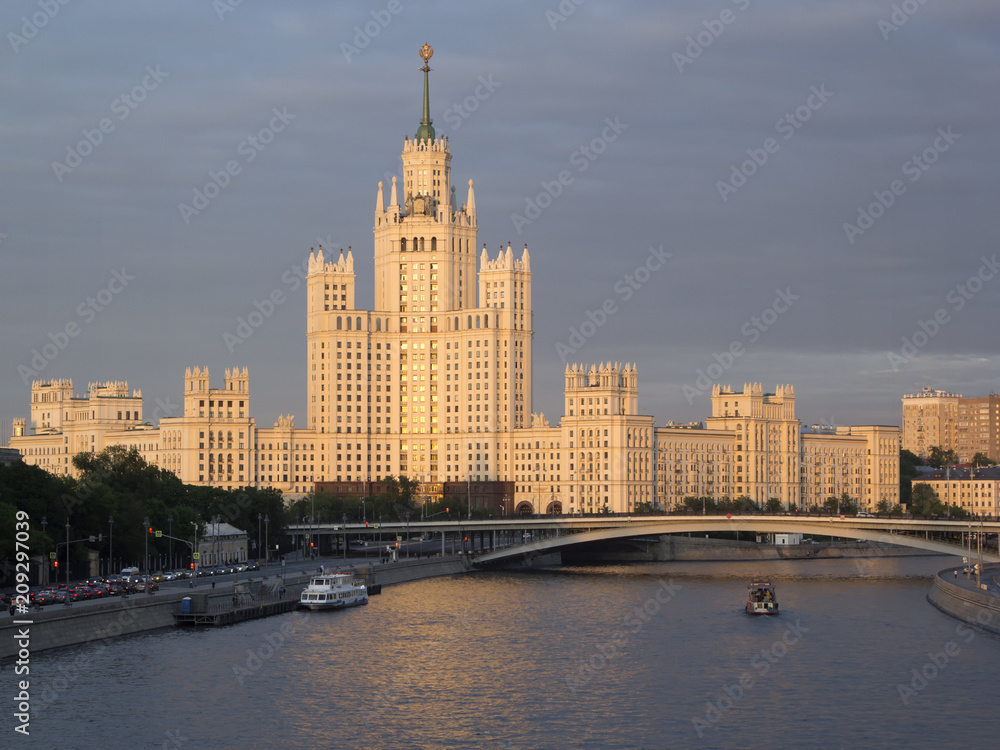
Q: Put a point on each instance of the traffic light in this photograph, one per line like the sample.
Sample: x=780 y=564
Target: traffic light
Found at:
x=149 y=529
x=446 y=510
x=55 y=563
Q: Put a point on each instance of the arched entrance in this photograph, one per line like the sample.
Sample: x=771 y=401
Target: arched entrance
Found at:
x=524 y=509
x=554 y=508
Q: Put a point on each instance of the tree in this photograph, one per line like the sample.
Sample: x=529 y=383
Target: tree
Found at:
x=981 y=459
x=908 y=463
x=939 y=457
x=773 y=505
x=882 y=506
x=924 y=500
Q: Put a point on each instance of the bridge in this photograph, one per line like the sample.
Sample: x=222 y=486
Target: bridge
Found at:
x=509 y=540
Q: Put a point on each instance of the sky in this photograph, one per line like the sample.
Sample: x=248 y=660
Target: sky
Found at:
x=731 y=191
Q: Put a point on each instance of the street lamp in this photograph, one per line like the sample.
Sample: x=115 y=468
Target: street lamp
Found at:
x=407 y=534
x=312 y=520
x=345 y=536
x=170 y=541
x=145 y=534
x=259 y=517
x=67 y=562
x=267 y=554
x=111 y=544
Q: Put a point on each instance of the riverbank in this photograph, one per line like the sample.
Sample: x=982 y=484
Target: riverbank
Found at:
x=960 y=597
x=106 y=620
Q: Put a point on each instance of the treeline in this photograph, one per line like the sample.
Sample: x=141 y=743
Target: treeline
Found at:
x=114 y=496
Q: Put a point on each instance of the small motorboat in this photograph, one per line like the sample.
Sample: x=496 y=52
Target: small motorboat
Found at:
x=761 y=598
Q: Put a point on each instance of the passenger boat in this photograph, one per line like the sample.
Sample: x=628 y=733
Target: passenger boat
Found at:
x=334 y=591
x=761 y=599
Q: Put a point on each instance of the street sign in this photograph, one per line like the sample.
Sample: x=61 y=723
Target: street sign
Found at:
x=307 y=536
x=159 y=533
x=197 y=555
x=52 y=555
x=399 y=538
x=93 y=539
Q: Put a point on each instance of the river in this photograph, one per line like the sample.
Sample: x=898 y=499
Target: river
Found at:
x=656 y=655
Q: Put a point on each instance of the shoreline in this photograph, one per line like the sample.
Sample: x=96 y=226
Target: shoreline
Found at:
x=106 y=620
x=958 y=597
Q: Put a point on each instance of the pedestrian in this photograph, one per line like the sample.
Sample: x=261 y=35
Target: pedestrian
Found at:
x=956 y=572
x=213 y=583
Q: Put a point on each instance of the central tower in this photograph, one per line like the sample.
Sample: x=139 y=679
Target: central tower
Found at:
x=434 y=380
x=424 y=225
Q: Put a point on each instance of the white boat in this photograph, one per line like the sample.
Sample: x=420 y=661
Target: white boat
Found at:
x=334 y=591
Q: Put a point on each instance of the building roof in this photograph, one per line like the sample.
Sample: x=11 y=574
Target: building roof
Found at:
x=988 y=472
x=222 y=529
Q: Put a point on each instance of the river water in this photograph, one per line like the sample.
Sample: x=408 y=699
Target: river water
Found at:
x=656 y=655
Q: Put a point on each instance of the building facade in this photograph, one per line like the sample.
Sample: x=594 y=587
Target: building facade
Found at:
x=435 y=383
x=975 y=490
x=952 y=422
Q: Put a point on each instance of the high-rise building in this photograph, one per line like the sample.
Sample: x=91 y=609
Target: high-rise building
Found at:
x=951 y=422
x=434 y=383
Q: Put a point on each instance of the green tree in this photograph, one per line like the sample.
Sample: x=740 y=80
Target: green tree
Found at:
x=773 y=505
x=924 y=500
x=908 y=463
x=939 y=457
x=981 y=459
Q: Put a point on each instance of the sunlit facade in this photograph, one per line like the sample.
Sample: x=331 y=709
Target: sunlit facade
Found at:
x=435 y=383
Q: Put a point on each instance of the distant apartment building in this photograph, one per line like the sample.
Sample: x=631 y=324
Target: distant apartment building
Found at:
x=975 y=490
x=952 y=422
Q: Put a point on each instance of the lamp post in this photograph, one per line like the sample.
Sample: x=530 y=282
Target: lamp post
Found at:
x=259 y=517
x=67 y=562
x=267 y=554
x=345 y=536
x=145 y=534
x=407 y=534
x=111 y=544
x=170 y=542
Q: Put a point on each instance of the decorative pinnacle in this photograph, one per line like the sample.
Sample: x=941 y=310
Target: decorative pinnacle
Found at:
x=426 y=129
x=426 y=53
